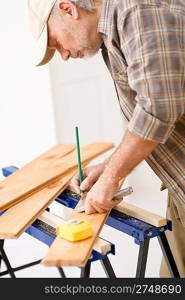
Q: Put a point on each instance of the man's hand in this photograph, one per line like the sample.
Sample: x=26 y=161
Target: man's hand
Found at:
x=90 y=176
x=99 y=190
x=99 y=198
x=127 y=156
x=103 y=182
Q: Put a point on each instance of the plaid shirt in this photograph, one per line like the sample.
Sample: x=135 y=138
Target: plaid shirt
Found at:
x=144 y=49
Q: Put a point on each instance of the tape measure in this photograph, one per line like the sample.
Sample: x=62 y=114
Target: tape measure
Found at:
x=75 y=230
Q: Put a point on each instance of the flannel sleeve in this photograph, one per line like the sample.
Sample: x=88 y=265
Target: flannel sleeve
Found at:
x=153 y=45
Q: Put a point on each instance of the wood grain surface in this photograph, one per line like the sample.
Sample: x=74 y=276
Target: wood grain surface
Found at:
x=43 y=170
x=141 y=214
x=101 y=246
x=21 y=215
x=65 y=253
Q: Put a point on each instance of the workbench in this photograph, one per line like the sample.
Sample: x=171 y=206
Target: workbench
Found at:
x=141 y=232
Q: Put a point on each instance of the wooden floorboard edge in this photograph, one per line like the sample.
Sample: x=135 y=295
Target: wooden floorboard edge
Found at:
x=141 y=214
x=16 y=199
x=101 y=246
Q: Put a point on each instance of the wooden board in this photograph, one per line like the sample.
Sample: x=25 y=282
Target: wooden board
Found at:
x=64 y=253
x=141 y=214
x=20 y=216
x=101 y=246
x=16 y=184
x=42 y=171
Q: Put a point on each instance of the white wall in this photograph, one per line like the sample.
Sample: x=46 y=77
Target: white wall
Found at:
x=84 y=96
x=27 y=125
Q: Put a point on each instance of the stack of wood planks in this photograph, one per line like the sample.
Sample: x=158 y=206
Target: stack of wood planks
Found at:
x=29 y=191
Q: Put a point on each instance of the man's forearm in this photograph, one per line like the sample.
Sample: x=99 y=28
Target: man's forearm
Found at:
x=127 y=156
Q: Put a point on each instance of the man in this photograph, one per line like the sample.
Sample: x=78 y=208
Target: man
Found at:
x=143 y=45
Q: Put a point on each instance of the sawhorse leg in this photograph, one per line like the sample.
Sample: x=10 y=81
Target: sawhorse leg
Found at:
x=142 y=259
x=5 y=259
x=168 y=256
x=85 y=272
x=108 y=268
x=1 y=245
x=62 y=274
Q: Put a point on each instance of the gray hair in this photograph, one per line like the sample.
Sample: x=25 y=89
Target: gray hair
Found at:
x=88 y=5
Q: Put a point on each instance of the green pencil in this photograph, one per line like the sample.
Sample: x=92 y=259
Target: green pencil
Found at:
x=79 y=157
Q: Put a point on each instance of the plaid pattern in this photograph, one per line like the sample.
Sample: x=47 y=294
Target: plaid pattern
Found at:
x=144 y=49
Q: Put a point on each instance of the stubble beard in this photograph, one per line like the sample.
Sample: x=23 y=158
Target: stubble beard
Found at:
x=88 y=48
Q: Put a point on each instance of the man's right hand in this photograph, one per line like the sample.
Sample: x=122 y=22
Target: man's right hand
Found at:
x=90 y=176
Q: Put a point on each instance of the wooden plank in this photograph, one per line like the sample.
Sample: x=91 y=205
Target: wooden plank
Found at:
x=51 y=219
x=17 y=219
x=12 y=187
x=65 y=253
x=20 y=216
x=41 y=172
x=101 y=246
x=141 y=214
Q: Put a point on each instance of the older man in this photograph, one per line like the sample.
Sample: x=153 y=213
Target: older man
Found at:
x=143 y=45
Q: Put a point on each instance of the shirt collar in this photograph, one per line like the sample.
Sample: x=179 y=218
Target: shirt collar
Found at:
x=106 y=16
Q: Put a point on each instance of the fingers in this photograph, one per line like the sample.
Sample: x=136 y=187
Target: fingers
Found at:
x=75 y=183
x=87 y=183
x=90 y=176
x=91 y=209
x=93 y=206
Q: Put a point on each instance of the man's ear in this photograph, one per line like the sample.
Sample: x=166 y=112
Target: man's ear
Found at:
x=68 y=9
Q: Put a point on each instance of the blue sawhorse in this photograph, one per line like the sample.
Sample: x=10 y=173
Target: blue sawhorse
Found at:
x=46 y=234
x=141 y=232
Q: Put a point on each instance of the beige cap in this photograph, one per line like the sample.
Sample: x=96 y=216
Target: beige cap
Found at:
x=38 y=14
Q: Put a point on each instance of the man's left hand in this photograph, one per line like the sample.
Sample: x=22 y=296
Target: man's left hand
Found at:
x=99 y=198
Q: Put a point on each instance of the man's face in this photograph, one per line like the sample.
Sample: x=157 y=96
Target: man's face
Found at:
x=73 y=39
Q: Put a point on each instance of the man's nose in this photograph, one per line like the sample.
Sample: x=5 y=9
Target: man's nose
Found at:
x=65 y=54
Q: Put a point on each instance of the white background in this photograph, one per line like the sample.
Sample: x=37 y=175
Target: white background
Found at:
x=40 y=107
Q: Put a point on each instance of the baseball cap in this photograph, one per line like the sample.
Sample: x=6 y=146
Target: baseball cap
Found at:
x=38 y=15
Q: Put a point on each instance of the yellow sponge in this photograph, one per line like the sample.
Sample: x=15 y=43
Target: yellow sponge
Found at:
x=75 y=230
